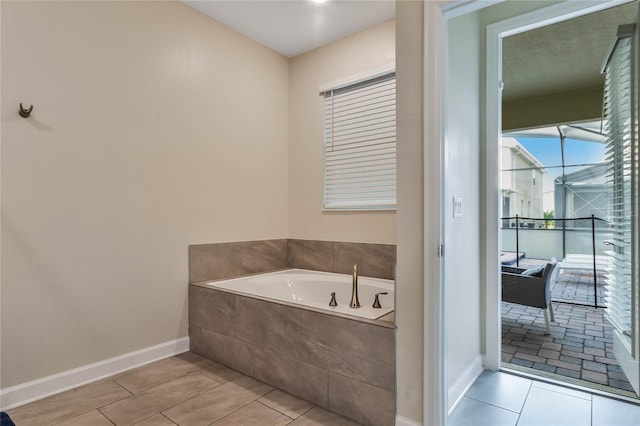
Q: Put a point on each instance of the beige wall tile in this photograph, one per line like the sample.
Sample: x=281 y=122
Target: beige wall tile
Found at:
x=67 y=405
x=266 y=255
x=223 y=349
x=214 y=261
x=212 y=309
x=304 y=380
x=213 y=405
x=374 y=260
x=269 y=325
x=148 y=403
x=362 y=402
x=254 y=414
x=355 y=349
x=308 y=254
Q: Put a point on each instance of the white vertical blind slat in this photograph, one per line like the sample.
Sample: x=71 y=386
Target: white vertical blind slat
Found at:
x=621 y=155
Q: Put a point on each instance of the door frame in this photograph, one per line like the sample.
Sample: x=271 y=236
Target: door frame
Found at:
x=495 y=32
x=436 y=16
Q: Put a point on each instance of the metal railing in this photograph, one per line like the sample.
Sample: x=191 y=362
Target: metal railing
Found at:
x=593 y=219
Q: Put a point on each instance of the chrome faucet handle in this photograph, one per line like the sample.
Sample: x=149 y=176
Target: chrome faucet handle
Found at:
x=333 y=299
x=376 y=302
x=355 y=303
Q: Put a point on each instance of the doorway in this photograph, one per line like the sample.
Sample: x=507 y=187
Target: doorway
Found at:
x=528 y=347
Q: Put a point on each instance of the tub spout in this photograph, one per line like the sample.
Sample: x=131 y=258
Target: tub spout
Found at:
x=355 y=303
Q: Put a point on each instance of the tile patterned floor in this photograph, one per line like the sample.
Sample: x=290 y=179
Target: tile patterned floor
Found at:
x=182 y=390
x=500 y=399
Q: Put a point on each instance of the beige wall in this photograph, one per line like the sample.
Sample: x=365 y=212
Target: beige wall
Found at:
x=410 y=252
x=153 y=128
x=361 y=52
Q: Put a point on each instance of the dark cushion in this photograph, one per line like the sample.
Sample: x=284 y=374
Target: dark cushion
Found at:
x=534 y=272
x=5 y=420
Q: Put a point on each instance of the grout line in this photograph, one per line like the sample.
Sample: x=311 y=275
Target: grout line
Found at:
x=525 y=402
x=162 y=414
x=487 y=403
x=271 y=408
x=569 y=385
x=238 y=409
x=309 y=409
x=147 y=418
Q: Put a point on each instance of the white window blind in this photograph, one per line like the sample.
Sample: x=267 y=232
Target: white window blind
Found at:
x=622 y=156
x=360 y=145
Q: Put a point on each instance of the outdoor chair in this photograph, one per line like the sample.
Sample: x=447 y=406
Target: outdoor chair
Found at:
x=531 y=287
x=583 y=262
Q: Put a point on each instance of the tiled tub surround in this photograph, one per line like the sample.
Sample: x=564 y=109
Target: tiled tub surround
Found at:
x=344 y=365
x=226 y=260
x=340 y=363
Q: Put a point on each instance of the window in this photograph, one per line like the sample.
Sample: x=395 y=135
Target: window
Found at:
x=360 y=145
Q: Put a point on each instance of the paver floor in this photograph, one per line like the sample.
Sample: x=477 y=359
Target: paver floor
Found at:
x=580 y=347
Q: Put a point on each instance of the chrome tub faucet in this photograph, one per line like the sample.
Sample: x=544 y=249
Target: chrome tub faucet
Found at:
x=355 y=303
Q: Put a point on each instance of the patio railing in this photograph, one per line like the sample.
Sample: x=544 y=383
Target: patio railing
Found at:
x=584 y=235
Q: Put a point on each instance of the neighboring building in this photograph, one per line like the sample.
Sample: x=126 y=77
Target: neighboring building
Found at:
x=521 y=182
x=584 y=192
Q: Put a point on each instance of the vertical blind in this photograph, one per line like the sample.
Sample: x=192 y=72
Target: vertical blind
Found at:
x=360 y=145
x=621 y=128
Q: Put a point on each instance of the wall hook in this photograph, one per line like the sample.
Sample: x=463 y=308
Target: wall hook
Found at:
x=24 y=113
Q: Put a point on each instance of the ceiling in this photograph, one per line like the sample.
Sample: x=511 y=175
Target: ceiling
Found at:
x=564 y=57
x=292 y=27
x=560 y=58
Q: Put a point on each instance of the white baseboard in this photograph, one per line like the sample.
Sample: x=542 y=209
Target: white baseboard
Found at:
x=464 y=382
x=403 y=421
x=60 y=382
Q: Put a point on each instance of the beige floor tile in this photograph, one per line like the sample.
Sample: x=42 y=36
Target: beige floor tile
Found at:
x=68 y=405
x=143 y=405
x=319 y=417
x=220 y=373
x=157 y=420
x=93 y=418
x=285 y=403
x=254 y=414
x=163 y=371
x=218 y=402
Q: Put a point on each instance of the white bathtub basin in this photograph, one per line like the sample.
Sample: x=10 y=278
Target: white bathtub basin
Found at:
x=314 y=288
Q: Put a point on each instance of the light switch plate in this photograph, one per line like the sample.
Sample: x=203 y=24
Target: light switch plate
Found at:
x=457 y=206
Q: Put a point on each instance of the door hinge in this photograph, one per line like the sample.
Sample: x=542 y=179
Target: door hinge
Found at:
x=441 y=250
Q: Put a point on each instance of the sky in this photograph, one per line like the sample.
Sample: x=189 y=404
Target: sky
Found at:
x=547 y=151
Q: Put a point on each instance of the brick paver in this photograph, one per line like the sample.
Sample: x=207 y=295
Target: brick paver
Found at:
x=580 y=345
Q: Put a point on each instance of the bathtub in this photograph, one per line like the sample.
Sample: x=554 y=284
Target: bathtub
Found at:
x=313 y=289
